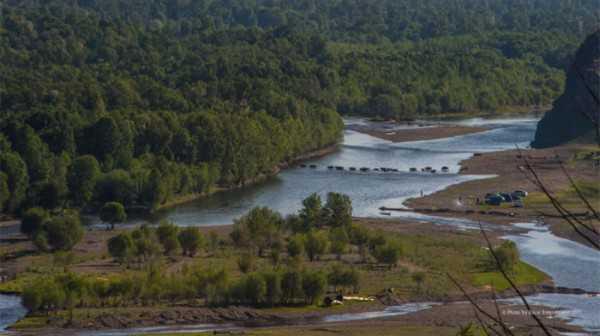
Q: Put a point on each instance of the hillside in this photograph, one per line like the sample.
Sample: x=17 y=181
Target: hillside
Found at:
x=143 y=102
x=577 y=109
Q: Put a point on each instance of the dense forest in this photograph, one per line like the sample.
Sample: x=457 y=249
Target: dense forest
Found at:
x=140 y=102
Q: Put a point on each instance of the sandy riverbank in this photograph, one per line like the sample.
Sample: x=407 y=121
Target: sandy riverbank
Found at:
x=414 y=132
x=460 y=200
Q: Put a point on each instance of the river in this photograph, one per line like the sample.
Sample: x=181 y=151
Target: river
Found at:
x=370 y=190
x=567 y=262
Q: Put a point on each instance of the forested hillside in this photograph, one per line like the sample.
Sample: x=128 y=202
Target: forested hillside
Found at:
x=143 y=101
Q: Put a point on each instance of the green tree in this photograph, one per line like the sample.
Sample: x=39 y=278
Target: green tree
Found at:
x=273 y=284
x=82 y=177
x=113 y=213
x=18 y=179
x=316 y=244
x=508 y=256
x=121 y=247
x=146 y=244
x=4 y=190
x=33 y=221
x=291 y=286
x=311 y=213
x=339 y=241
x=167 y=233
x=339 y=210
x=64 y=231
x=388 y=254
x=191 y=240
x=247 y=262
x=314 y=284
x=295 y=246
x=259 y=229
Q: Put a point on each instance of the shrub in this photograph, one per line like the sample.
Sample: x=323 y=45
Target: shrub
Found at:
x=191 y=240
x=316 y=244
x=247 y=262
x=273 y=284
x=339 y=241
x=387 y=254
x=295 y=247
x=314 y=284
x=340 y=276
x=65 y=231
x=508 y=256
x=121 y=247
x=167 y=233
x=291 y=286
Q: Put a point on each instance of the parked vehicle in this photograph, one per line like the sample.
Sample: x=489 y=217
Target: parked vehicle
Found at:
x=519 y=193
x=413 y=169
x=506 y=197
x=494 y=200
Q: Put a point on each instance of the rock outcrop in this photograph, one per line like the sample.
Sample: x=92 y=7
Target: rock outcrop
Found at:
x=569 y=119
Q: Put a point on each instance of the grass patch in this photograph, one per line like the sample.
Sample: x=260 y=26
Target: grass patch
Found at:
x=31 y=322
x=523 y=274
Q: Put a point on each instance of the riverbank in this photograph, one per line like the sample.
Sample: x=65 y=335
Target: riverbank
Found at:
x=507 y=167
x=314 y=154
x=395 y=132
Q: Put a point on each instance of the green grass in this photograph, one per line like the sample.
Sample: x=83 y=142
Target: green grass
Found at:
x=31 y=322
x=523 y=274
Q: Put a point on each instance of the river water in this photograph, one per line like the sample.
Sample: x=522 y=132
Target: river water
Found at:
x=570 y=264
x=370 y=190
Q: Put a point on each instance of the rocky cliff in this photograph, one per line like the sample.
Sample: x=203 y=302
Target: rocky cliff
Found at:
x=569 y=119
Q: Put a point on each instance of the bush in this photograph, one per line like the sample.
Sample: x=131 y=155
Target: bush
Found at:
x=314 y=284
x=145 y=242
x=388 y=254
x=339 y=241
x=121 y=247
x=508 y=256
x=295 y=247
x=167 y=234
x=247 y=262
x=64 y=232
x=291 y=286
x=316 y=244
x=191 y=240
x=340 y=276
x=273 y=283
x=44 y=294
x=33 y=221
